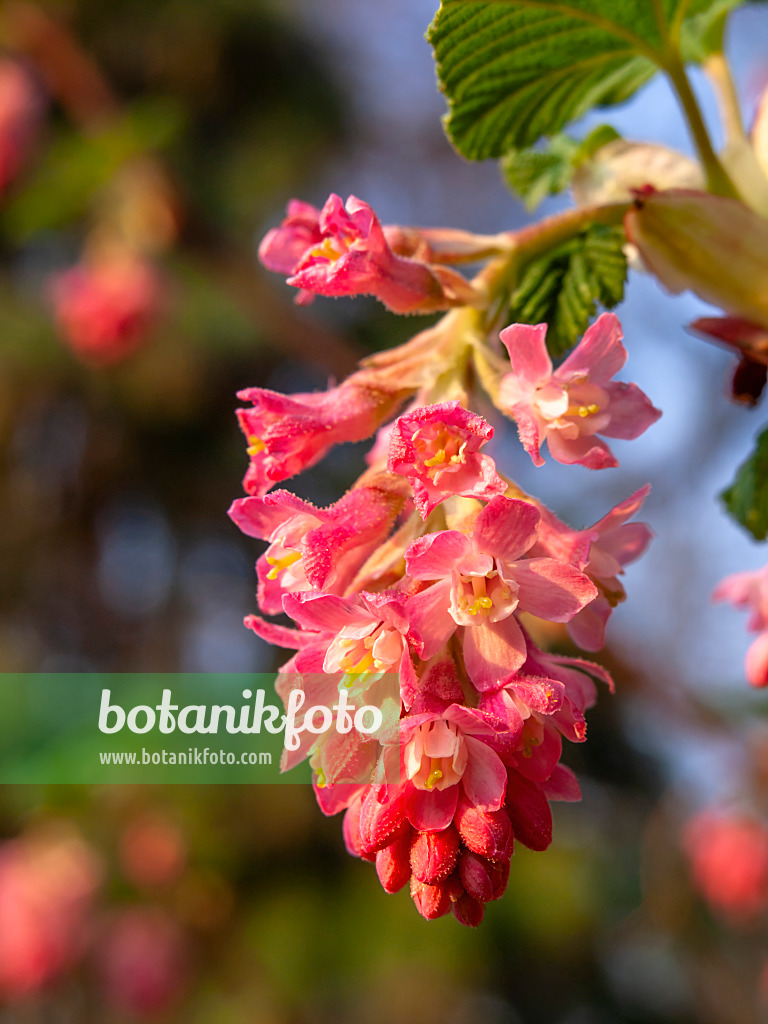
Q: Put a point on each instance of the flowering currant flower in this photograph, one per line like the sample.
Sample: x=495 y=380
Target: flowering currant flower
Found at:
x=482 y=580
x=282 y=248
x=47 y=888
x=21 y=107
x=286 y=434
x=436 y=448
x=728 y=854
x=311 y=547
x=570 y=406
x=370 y=635
x=601 y=552
x=105 y=311
x=347 y=253
x=750 y=590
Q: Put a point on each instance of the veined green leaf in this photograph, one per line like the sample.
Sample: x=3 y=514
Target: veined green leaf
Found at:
x=534 y=174
x=516 y=70
x=564 y=287
x=747 y=497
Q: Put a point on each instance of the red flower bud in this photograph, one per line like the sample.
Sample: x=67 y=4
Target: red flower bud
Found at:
x=433 y=854
x=393 y=863
x=381 y=823
x=475 y=875
x=488 y=833
x=468 y=911
x=432 y=901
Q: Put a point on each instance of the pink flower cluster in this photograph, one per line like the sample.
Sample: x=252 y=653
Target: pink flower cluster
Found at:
x=750 y=590
x=434 y=569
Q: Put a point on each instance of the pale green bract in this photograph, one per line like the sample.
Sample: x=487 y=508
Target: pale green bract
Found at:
x=516 y=70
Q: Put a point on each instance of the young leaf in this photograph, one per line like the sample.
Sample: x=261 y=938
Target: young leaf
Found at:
x=534 y=174
x=564 y=287
x=747 y=497
x=515 y=70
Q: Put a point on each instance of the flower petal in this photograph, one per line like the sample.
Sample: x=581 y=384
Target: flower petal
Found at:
x=599 y=355
x=432 y=811
x=551 y=589
x=527 y=350
x=492 y=651
x=485 y=777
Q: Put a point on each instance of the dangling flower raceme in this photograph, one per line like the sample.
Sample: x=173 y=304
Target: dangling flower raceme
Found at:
x=750 y=590
x=569 y=406
x=418 y=576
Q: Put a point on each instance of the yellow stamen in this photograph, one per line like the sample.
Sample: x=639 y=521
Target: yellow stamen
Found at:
x=320 y=778
x=588 y=410
x=278 y=564
x=327 y=250
x=256 y=445
x=436 y=459
x=435 y=774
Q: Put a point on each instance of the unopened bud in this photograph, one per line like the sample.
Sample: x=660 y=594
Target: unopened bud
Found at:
x=433 y=854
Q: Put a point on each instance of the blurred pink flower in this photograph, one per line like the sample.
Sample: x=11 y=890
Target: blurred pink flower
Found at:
x=21 y=106
x=728 y=854
x=104 y=312
x=750 y=590
x=143 y=960
x=47 y=884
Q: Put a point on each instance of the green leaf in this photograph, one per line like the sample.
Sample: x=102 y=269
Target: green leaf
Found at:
x=565 y=287
x=702 y=35
x=516 y=70
x=76 y=166
x=534 y=174
x=747 y=497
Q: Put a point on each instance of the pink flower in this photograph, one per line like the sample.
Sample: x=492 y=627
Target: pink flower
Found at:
x=579 y=400
x=601 y=552
x=369 y=635
x=750 y=590
x=482 y=580
x=728 y=854
x=105 y=312
x=143 y=961
x=287 y=434
x=351 y=256
x=282 y=248
x=20 y=110
x=436 y=448
x=47 y=884
x=311 y=547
